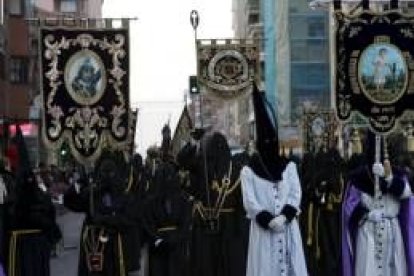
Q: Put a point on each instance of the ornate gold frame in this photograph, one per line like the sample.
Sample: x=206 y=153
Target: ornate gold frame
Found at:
x=80 y=99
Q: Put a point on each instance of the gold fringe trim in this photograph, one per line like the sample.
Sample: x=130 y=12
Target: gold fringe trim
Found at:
x=121 y=257
x=13 y=245
x=167 y=228
x=309 y=240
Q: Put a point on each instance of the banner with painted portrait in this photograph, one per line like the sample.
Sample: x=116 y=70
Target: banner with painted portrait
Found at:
x=319 y=129
x=374 y=67
x=85 y=87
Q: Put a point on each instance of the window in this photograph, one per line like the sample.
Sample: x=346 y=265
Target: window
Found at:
x=316 y=27
x=318 y=50
x=253 y=18
x=299 y=52
x=15 y=7
x=18 y=70
x=68 y=5
x=310 y=76
x=296 y=27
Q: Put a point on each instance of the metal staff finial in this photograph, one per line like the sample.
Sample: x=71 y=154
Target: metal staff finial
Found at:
x=198 y=122
x=194 y=19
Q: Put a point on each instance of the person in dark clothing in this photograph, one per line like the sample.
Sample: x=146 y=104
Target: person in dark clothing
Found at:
x=218 y=245
x=33 y=230
x=108 y=233
x=7 y=199
x=31 y=219
x=323 y=178
x=167 y=219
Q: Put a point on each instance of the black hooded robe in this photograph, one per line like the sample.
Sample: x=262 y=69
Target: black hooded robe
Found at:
x=218 y=247
x=167 y=219
x=116 y=217
x=323 y=174
x=33 y=231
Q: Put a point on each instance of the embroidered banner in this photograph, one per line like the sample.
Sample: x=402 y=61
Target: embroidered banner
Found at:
x=85 y=86
x=319 y=129
x=374 y=67
x=227 y=68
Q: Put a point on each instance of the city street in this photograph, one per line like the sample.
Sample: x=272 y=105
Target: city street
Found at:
x=206 y=137
x=66 y=263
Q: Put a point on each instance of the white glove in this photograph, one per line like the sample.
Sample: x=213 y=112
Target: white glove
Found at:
x=389 y=178
x=378 y=169
x=77 y=187
x=158 y=242
x=278 y=223
x=193 y=141
x=3 y=190
x=375 y=215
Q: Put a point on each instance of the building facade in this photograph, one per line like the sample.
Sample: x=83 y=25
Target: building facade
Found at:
x=294 y=59
x=20 y=100
x=309 y=58
x=18 y=48
x=247 y=24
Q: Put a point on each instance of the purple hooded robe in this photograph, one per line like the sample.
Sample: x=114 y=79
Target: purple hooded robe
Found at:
x=406 y=218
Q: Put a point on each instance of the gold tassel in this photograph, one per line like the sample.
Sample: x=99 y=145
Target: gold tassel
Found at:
x=356 y=145
x=310 y=225
x=318 y=248
x=130 y=179
x=121 y=256
x=410 y=139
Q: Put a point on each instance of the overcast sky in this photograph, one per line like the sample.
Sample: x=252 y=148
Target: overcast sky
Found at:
x=163 y=55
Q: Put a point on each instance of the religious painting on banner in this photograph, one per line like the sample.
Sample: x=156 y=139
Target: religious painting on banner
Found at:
x=85 y=86
x=374 y=67
x=319 y=129
x=227 y=68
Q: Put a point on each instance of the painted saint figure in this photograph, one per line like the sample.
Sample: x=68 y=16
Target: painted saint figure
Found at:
x=381 y=69
x=86 y=79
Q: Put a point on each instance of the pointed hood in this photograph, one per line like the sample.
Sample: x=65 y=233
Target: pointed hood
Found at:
x=166 y=142
x=23 y=167
x=266 y=162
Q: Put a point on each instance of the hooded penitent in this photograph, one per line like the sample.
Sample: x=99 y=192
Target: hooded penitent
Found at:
x=266 y=162
x=360 y=185
x=271 y=198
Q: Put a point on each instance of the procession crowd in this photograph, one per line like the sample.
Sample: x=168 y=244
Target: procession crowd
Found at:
x=210 y=212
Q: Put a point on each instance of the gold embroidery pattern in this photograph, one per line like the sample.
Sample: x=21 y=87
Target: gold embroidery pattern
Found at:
x=86 y=127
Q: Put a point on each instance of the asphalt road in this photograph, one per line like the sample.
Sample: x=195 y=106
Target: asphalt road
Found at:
x=66 y=261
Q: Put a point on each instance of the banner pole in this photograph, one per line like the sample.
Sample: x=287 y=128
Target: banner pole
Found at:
x=377 y=160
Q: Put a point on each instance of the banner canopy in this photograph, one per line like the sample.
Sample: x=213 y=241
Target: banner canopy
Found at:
x=227 y=68
x=85 y=86
x=374 y=67
x=319 y=129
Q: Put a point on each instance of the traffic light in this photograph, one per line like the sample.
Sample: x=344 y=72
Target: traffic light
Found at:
x=193 y=85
